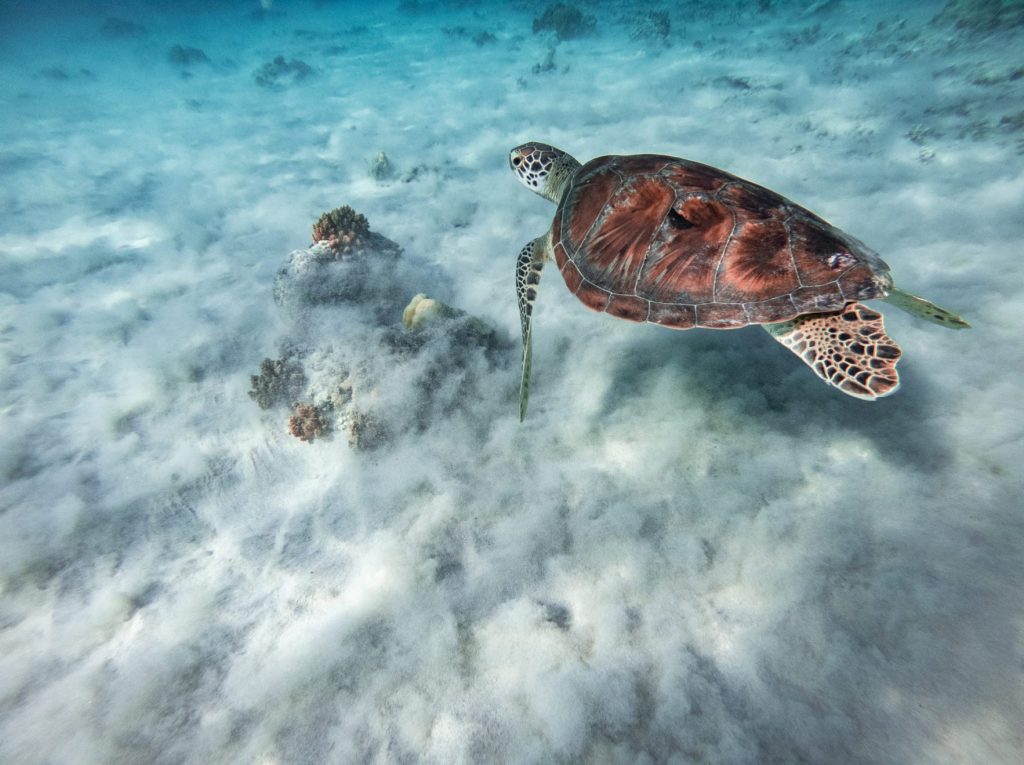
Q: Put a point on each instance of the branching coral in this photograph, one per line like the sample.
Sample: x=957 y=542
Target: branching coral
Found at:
x=342 y=229
x=279 y=381
x=309 y=421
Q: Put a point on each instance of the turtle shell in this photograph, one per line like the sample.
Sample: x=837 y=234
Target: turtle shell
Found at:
x=678 y=243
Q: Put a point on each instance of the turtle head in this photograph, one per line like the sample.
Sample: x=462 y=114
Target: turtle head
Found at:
x=543 y=169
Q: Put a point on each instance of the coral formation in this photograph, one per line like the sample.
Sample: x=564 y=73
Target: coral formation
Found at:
x=566 y=21
x=381 y=168
x=279 y=72
x=422 y=310
x=353 y=361
x=308 y=421
x=279 y=381
x=342 y=229
x=429 y=322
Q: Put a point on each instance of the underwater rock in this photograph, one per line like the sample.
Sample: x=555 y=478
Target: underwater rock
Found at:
x=997 y=75
x=381 y=168
x=321 y=275
x=279 y=381
x=480 y=39
x=355 y=362
x=346 y=263
x=803 y=37
x=566 y=21
x=735 y=83
x=308 y=422
x=54 y=73
x=183 y=55
x=556 y=614
x=547 y=65
x=982 y=16
x=1012 y=122
x=277 y=73
x=920 y=133
x=654 y=25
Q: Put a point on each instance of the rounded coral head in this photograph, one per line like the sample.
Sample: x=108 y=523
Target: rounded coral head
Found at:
x=542 y=168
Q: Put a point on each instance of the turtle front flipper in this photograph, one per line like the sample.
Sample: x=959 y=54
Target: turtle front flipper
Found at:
x=925 y=309
x=528 y=268
x=848 y=349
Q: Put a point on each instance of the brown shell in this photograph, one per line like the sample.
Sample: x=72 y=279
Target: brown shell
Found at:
x=678 y=243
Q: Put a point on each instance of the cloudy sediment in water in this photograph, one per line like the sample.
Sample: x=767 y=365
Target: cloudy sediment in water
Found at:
x=691 y=550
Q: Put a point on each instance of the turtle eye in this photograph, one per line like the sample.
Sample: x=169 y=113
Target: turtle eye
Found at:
x=517 y=161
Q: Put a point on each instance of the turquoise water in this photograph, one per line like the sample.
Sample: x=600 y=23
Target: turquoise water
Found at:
x=691 y=550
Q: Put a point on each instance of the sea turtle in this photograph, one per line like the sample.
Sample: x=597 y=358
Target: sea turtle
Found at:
x=673 y=242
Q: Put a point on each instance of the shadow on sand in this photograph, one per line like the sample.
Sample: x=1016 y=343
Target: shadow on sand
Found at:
x=748 y=372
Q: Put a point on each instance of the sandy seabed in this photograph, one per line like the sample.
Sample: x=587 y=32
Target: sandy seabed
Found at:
x=690 y=551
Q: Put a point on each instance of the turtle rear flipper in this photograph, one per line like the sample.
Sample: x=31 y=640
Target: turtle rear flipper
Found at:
x=925 y=309
x=847 y=349
x=528 y=267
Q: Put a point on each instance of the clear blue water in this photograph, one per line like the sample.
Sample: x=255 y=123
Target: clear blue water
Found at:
x=691 y=550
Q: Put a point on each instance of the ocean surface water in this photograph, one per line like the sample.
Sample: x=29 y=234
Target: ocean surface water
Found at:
x=265 y=500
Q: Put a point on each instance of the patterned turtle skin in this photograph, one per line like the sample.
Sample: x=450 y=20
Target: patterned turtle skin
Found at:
x=673 y=242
